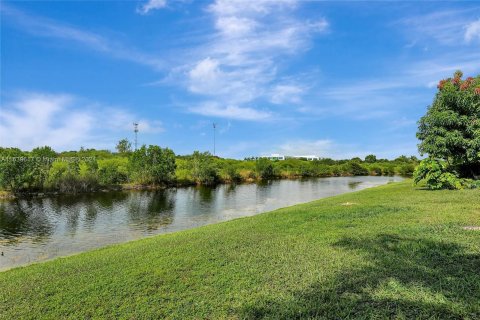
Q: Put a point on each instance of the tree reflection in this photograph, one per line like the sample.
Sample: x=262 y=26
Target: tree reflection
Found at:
x=206 y=193
x=24 y=218
x=354 y=184
x=150 y=210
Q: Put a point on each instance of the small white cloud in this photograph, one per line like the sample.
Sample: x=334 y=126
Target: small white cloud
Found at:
x=150 y=126
x=151 y=5
x=319 y=25
x=286 y=94
x=231 y=112
x=235 y=26
x=321 y=148
x=262 y=7
x=204 y=77
x=65 y=122
x=472 y=31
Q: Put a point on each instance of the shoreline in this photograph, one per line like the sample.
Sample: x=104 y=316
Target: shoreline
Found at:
x=194 y=227
x=8 y=195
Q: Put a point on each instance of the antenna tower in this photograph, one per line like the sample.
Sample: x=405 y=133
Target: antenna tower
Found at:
x=135 y=129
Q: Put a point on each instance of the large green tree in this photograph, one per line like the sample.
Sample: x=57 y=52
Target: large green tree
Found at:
x=124 y=146
x=15 y=169
x=153 y=165
x=42 y=159
x=450 y=130
x=203 y=167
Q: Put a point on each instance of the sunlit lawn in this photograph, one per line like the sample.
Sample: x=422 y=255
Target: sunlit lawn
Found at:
x=391 y=251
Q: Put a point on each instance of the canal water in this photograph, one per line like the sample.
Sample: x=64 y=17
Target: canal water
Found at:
x=38 y=229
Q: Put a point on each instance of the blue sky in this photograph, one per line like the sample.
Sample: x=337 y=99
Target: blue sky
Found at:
x=334 y=79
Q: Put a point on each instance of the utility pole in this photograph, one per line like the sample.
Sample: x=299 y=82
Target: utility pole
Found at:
x=214 y=127
x=135 y=129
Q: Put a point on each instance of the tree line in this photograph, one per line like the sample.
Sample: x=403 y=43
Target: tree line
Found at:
x=44 y=170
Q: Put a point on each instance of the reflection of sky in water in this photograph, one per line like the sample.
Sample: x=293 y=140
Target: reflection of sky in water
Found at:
x=42 y=228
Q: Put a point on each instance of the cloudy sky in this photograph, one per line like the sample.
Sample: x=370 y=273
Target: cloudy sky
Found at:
x=335 y=79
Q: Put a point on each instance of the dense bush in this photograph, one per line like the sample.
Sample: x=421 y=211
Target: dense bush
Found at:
x=203 y=168
x=42 y=159
x=15 y=172
x=376 y=170
x=264 y=168
x=406 y=170
x=436 y=175
x=153 y=165
x=357 y=169
x=389 y=170
x=231 y=173
x=113 y=171
x=72 y=176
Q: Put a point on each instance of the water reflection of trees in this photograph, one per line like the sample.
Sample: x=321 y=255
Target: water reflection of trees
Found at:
x=206 y=193
x=150 y=210
x=24 y=218
x=85 y=207
x=354 y=184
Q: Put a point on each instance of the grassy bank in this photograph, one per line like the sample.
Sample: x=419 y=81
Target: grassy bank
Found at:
x=390 y=251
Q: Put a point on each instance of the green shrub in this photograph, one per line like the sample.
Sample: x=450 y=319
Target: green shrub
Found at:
x=15 y=170
x=407 y=170
x=389 y=170
x=376 y=170
x=152 y=165
x=436 y=175
x=203 y=168
x=265 y=169
x=357 y=169
x=64 y=177
x=42 y=159
x=322 y=170
x=231 y=173
x=112 y=171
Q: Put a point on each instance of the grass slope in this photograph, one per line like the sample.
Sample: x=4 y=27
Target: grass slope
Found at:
x=386 y=252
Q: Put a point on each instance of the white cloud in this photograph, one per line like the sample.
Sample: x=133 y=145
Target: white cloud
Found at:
x=40 y=119
x=151 y=5
x=385 y=95
x=205 y=76
x=43 y=27
x=446 y=27
x=472 y=31
x=235 y=26
x=283 y=93
x=320 y=148
x=64 y=122
x=230 y=112
x=234 y=7
x=237 y=66
x=121 y=120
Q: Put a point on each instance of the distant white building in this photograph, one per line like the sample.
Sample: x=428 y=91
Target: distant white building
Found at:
x=276 y=156
x=279 y=157
x=309 y=158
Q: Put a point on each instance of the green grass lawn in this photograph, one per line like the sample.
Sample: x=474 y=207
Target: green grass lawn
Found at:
x=388 y=252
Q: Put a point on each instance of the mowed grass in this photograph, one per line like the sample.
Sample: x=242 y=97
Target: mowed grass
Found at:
x=388 y=252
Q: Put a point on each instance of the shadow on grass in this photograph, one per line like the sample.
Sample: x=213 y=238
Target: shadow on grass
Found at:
x=404 y=278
